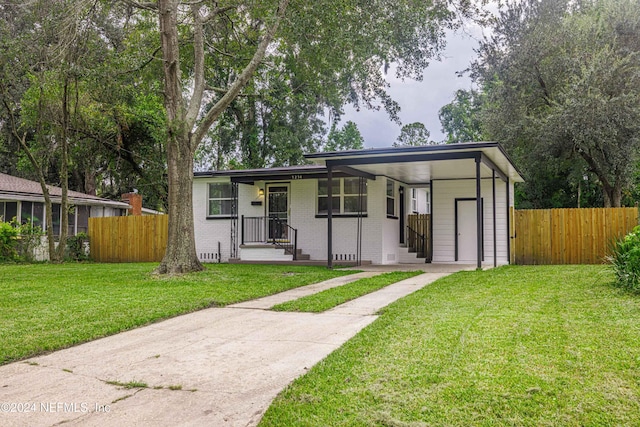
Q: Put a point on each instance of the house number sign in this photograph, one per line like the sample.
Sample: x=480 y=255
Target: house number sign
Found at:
x=296 y=176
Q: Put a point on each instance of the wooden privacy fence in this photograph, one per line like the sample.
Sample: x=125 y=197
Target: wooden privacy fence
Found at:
x=420 y=224
x=568 y=236
x=128 y=238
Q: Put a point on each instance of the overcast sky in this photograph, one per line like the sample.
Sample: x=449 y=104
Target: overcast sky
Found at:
x=420 y=101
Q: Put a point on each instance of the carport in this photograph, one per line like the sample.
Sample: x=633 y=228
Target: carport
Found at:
x=445 y=169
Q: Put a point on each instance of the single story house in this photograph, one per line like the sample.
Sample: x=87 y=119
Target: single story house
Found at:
x=23 y=199
x=436 y=203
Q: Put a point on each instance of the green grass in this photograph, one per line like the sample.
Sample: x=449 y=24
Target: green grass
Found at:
x=513 y=346
x=45 y=307
x=330 y=298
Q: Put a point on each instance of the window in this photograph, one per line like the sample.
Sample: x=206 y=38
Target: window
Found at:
x=32 y=212
x=345 y=196
x=414 y=200
x=84 y=212
x=428 y=210
x=8 y=210
x=391 y=198
x=220 y=199
x=55 y=218
x=71 y=218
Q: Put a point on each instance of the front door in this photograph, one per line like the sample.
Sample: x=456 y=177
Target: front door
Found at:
x=278 y=211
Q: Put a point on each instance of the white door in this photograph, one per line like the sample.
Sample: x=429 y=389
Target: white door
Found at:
x=467 y=231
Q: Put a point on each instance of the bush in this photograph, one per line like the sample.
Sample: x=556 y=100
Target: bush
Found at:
x=625 y=260
x=29 y=238
x=8 y=242
x=76 y=247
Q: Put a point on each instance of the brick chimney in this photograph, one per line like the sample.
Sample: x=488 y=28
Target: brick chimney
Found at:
x=135 y=200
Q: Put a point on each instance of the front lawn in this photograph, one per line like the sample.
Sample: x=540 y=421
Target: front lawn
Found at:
x=513 y=346
x=45 y=307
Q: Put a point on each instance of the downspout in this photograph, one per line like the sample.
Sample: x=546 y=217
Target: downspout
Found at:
x=493 y=198
x=329 y=217
x=478 y=214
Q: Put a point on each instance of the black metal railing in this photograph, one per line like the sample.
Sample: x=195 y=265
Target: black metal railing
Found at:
x=283 y=236
x=253 y=229
x=416 y=242
x=262 y=229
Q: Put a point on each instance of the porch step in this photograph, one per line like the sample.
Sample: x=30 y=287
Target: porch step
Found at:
x=405 y=256
x=263 y=252
x=312 y=262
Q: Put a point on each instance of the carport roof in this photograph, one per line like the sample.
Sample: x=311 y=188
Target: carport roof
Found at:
x=420 y=165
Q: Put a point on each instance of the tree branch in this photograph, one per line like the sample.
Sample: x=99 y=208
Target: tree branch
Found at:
x=145 y=5
x=240 y=81
x=198 y=71
x=217 y=11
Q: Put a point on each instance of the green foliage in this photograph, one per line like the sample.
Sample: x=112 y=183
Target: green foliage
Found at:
x=18 y=241
x=460 y=119
x=562 y=81
x=29 y=238
x=8 y=242
x=413 y=134
x=346 y=138
x=625 y=261
x=76 y=247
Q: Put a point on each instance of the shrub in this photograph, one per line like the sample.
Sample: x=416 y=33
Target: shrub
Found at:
x=76 y=247
x=29 y=237
x=625 y=260
x=8 y=242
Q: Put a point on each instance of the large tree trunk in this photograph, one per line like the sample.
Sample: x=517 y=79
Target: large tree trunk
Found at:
x=183 y=136
x=180 y=257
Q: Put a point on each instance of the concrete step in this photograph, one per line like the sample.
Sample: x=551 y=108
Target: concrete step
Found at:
x=407 y=257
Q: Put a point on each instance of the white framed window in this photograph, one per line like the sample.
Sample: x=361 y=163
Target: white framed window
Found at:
x=428 y=202
x=345 y=196
x=391 y=198
x=220 y=199
x=414 y=200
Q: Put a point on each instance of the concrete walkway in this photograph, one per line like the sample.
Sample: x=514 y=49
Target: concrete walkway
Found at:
x=217 y=367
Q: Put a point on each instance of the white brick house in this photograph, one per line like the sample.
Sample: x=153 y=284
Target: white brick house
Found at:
x=280 y=213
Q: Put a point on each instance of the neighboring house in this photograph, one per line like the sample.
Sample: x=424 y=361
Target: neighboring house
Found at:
x=359 y=206
x=22 y=199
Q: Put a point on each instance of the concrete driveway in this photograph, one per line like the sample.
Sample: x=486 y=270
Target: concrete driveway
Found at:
x=217 y=367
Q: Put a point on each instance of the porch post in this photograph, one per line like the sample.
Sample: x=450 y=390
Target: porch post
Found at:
x=329 y=216
x=478 y=213
x=508 y=220
x=493 y=198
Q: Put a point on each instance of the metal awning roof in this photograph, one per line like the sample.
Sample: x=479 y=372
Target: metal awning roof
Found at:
x=420 y=165
x=410 y=165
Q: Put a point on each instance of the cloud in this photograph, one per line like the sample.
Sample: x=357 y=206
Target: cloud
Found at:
x=420 y=101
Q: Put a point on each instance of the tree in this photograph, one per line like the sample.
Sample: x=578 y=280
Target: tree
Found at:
x=346 y=45
x=461 y=119
x=563 y=78
x=413 y=134
x=346 y=138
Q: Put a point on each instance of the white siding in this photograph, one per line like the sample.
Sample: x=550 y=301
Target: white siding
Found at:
x=209 y=232
x=443 y=209
x=312 y=231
